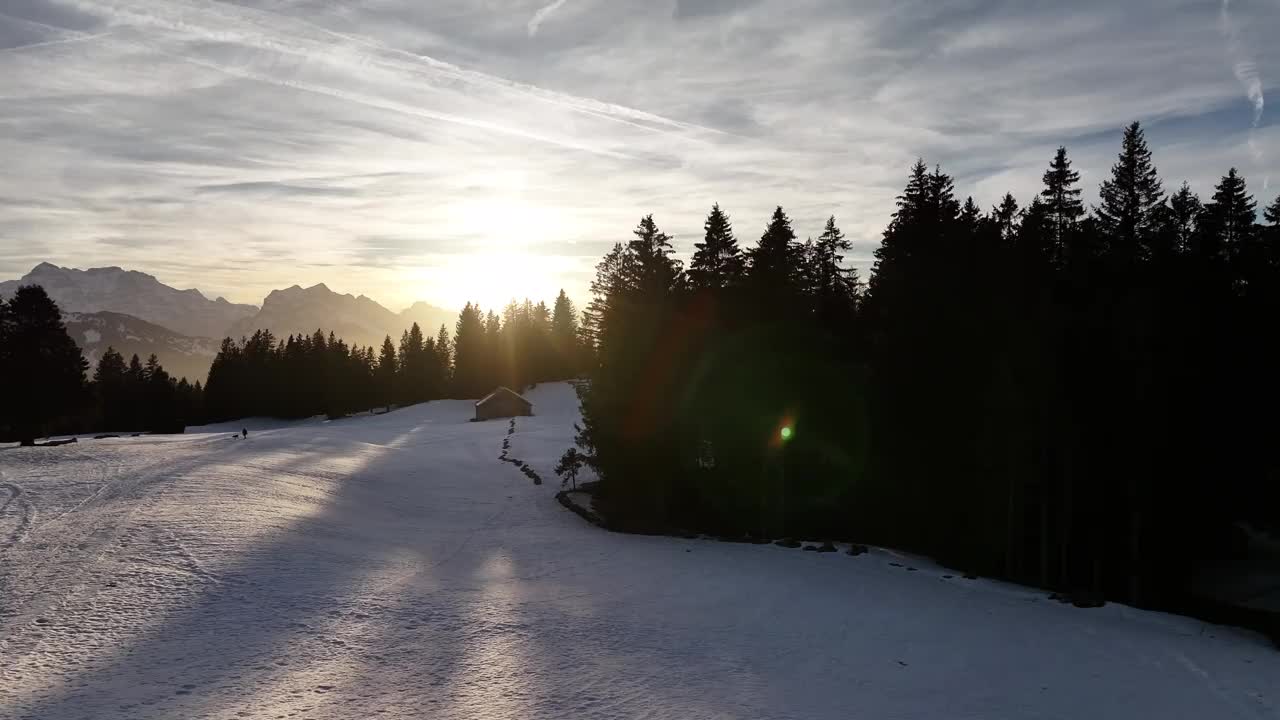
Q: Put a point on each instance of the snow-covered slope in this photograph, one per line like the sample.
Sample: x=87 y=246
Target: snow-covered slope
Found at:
x=391 y=566
x=181 y=356
x=111 y=289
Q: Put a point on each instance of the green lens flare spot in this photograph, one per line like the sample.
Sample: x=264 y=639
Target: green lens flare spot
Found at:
x=786 y=432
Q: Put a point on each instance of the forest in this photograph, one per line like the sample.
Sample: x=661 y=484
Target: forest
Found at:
x=1078 y=398
x=265 y=376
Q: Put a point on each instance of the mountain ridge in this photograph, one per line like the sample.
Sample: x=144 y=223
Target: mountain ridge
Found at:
x=131 y=292
x=189 y=313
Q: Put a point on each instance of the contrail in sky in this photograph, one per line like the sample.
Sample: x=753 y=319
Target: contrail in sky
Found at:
x=1246 y=72
x=536 y=21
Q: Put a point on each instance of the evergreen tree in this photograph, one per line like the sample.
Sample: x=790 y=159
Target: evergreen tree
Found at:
x=414 y=366
x=564 y=337
x=1007 y=219
x=470 y=362
x=1128 y=213
x=444 y=348
x=717 y=261
x=110 y=381
x=1228 y=220
x=1062 y=206
x=442 y=367
x=42 y=366
x=1184 y=215
x=1272 y=213
x=388 y=372
x=655 y=269
x=774 y=263
x=836 y=285
x=970 y=216
x=613 y=279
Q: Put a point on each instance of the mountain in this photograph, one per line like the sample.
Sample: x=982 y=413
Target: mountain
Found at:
x=428 y=317
x=111 y=289
x=357 y=320
x=180 y=355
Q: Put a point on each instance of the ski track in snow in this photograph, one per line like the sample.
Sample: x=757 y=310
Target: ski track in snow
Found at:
x=392 y=567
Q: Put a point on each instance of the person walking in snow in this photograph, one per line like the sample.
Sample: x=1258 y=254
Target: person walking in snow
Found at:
x=244 y=432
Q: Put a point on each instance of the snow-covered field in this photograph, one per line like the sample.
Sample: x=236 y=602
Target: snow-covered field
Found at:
x=392 y=567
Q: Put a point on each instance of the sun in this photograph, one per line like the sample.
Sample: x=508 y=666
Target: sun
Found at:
x=492 y=279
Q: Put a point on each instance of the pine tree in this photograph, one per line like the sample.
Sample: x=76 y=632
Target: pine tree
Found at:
x=970 y=216
x=444 y=347
x=442 y=364
x=1228 y=220
x=1007 y=218
x=564 y=337
x=414 y=371
x=1272 y=213
x=836 y=286
x=613 y=279
x=388 y=372
x=1128 y=213
x=470 y=361
x=717 y=261
x=1062 y=204
x=1184 y=213
x=656 y=272
x=109 y=381
x=774 y=264
x=41 y=365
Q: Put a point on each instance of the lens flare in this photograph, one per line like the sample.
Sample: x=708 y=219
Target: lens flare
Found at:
x=785 y=432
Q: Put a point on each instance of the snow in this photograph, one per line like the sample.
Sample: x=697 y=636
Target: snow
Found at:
x=91 y=337
x=390 y=566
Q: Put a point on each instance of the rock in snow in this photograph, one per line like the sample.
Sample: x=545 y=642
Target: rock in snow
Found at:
x=390 y=566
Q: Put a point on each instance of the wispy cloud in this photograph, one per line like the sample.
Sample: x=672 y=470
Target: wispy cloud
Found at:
x=1246 y=71
x=397 y=138
x=541 y=16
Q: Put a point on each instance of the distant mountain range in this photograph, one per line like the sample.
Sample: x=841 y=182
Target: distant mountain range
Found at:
x=180 y=355
x=136 y=313
x=111 y=289
x=357 y=320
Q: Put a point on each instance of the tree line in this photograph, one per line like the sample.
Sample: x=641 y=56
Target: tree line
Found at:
x=305 y=375
x=1081 y=398
x=44 y=387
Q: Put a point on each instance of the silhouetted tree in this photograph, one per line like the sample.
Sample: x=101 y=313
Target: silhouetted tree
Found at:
x=717 y=261
x=1129 y=200
x=1062 y=206
x=40 y=364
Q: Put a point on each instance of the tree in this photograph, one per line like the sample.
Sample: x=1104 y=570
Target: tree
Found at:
x=717 y=261
x=414 y=366
x=42 y=366
x=836 y=286
x=1272 y=213
x=1127 y=213
x=655 y=270
x=569 y=466
x=444 y=347
x=1062 y=206
x=388 y=372
x=1184 y=215
x=110 y=382
x=1007 y=218
x=470 y=362
x=774 y=263
x=564 y=337
x=1228 y=220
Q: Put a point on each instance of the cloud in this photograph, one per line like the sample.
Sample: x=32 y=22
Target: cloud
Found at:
x=280 y=141
x=541 y=16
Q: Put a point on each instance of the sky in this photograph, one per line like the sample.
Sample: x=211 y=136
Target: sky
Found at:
x=455 y=150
